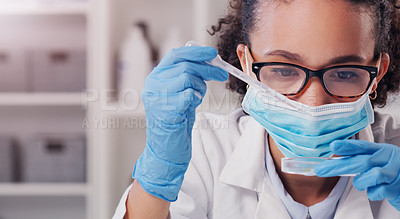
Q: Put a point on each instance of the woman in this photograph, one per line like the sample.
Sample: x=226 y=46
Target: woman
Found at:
x=322 y=55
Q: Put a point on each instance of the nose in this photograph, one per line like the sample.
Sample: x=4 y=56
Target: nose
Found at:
x=314 y=94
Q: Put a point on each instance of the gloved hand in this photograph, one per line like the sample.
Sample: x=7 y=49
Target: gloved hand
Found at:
x=170 y=96
x=377 y=165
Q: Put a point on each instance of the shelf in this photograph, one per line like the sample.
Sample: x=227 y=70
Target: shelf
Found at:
x=42 y=99
x=36 y=8
x=43 y=189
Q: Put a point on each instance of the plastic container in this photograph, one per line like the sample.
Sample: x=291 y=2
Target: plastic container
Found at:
x=304 y=165
x=13 y=75
x=57 y=70
x=7 y=157
x=53 y=158
x=135 y=63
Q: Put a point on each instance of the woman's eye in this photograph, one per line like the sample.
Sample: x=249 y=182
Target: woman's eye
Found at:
x=285 y=72
x=345 y=75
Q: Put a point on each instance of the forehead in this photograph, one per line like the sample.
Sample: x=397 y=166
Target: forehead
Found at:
x=315 y=29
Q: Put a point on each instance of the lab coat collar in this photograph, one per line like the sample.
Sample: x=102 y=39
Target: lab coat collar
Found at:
x=246 y=166
x=353 y=204
x=366 y=134
x=246 y=169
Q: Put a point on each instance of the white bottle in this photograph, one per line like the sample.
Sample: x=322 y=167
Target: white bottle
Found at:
x=171 y=41
x=135 y=63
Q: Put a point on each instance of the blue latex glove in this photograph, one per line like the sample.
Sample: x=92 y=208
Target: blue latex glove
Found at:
x=170 y=96
x=377 y=165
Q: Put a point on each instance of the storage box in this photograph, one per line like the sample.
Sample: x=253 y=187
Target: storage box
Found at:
x=13 y=77
x=7 y=158
x=50 y=158
x=57 y=70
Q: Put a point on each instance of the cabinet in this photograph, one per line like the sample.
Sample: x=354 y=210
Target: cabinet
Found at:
x=30 y=26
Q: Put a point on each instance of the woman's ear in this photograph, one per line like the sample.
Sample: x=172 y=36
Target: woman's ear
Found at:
x=383 y=68
x=241 y=53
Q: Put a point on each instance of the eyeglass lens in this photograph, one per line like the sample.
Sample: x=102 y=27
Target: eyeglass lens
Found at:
x=338 y=81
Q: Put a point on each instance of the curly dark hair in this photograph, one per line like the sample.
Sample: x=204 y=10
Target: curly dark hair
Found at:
x=233 y=28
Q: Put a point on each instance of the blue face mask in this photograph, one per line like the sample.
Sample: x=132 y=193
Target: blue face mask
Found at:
x=306 y=131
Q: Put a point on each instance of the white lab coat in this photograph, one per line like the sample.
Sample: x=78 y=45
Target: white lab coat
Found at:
x=226 y=177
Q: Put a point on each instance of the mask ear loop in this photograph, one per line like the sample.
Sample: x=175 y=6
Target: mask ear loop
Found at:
x=246 y=57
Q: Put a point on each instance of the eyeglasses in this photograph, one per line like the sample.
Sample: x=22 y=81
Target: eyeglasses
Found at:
x=345 y=81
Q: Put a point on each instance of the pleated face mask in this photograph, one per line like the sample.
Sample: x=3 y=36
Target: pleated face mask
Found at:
x=300 y=130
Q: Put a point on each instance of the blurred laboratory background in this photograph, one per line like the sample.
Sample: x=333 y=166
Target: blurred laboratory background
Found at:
x=72 y=123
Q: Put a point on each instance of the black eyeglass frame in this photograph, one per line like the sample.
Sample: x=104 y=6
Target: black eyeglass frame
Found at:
x=373 y=72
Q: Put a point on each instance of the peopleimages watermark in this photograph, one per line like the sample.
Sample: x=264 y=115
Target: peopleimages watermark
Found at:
x=130 y=100
x=126 y=110
x=218 y=122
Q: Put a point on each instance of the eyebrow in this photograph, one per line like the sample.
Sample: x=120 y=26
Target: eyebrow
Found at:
x=298 y=58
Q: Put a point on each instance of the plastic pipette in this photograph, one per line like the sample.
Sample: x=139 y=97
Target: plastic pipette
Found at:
x=219 y=62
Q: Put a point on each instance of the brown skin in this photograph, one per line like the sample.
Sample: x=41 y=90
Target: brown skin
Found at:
x=142 y=205
x=318 y=32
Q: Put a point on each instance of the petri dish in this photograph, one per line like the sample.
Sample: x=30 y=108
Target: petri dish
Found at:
x=304 y=165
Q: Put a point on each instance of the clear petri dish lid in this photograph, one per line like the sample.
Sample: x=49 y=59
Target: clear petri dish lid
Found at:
x=304 y=165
